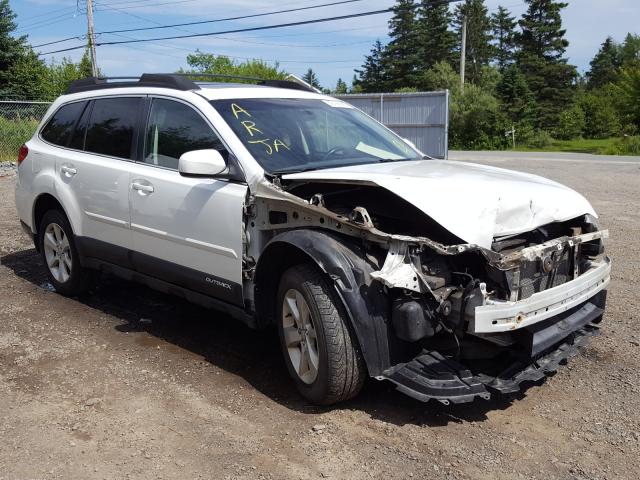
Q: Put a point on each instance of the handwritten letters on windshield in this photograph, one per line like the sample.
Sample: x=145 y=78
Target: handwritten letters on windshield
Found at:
x=270 y=145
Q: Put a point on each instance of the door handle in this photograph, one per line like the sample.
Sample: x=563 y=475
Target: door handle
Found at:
x=141 y=187
x=68 y=171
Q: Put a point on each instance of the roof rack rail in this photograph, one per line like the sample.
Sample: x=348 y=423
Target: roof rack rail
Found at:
x=177 y=82
x=294 y=84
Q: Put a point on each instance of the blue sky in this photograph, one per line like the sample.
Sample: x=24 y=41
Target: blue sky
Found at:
x=332 y=49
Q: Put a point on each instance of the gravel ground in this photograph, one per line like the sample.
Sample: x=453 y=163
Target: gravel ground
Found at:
x=128 y=383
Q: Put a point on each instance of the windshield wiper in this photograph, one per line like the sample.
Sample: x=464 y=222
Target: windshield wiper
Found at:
x=388 y=160
x=297 y=170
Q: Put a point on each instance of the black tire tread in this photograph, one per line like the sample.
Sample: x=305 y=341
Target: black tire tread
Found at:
x=346 y=369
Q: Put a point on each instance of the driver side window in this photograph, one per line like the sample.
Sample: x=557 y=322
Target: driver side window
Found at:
x=173 y=129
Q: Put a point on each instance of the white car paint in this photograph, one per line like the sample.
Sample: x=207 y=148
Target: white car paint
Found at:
x=192 y=222
x=477 y=203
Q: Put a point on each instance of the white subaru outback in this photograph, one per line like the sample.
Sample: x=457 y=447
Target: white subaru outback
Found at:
x=288 y=208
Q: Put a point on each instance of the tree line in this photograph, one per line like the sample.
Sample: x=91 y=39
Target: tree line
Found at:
x=517 y=73
x=25 y=76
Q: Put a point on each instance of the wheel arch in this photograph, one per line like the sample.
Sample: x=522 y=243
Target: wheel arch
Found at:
x=42 y=204
x=343 y=263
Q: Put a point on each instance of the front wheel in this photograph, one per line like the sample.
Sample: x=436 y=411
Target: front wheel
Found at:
x=318 y=346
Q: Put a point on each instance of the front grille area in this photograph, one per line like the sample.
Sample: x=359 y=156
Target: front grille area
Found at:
x=534 y=278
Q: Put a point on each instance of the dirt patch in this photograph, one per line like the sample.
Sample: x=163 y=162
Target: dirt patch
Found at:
x=129 y=383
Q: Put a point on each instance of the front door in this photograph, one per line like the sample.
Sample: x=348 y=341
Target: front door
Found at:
x=186 y=231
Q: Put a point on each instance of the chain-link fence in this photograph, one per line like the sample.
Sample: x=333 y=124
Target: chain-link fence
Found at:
x=18 y=121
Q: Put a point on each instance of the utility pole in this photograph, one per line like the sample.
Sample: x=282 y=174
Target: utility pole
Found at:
x=463 y=53
x=91 y=38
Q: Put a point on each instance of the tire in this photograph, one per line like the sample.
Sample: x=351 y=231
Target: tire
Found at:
x=60 y=255
x=325 y=335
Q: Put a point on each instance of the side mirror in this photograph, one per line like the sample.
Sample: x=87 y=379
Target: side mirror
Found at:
x=201 y=163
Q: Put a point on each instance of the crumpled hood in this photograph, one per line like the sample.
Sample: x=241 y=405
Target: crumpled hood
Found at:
x=474 y=202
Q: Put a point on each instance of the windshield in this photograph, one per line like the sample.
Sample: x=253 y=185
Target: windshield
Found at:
x=290 y=135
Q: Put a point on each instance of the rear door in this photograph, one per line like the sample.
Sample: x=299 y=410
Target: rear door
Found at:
x=187 y=231
x=95 y=168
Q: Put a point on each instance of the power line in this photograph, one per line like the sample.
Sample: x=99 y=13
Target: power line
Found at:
x=47 y=21
x=235 y=57
x=239 y=30
x=254 y=15
x=144 y=6
x=159 y=26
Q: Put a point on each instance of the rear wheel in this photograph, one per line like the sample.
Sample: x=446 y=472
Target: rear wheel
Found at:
x=319 y=349
x=60 y=256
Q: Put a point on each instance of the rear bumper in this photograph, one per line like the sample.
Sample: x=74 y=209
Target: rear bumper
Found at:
x=504 y=316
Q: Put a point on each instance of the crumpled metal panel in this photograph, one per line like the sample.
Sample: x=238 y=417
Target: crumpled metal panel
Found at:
x=477 y=203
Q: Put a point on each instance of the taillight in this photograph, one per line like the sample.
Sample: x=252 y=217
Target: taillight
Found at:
x=22 y=153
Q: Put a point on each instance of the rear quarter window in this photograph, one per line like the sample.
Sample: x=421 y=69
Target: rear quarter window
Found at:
x=59 y=128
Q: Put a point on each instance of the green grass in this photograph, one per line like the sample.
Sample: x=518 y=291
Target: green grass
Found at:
x=606 y=146
x=13 y=133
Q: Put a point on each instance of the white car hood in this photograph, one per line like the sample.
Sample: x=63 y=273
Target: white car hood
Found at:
x=477 y=203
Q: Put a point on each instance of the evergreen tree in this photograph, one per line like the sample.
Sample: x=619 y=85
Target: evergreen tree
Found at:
x=627 y=91
x=400 y=59
x=436 y=43
x=11 y=48
x=515 y=95
x=604 y=66
x=630 y=50
x=503 y=26
x=341 y=87
x=312 y=79
x=540 y=58
x=372 y=77
x=84 y=67
x=479 y=49
x=355 y=85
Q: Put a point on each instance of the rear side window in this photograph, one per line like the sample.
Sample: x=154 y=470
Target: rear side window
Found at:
x=111 y=127
x=60 y=127
x=173 y=129
x=77 y=139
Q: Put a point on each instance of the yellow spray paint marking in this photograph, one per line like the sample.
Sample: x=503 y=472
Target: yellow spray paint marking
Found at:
x=265 y=142
x=236 y=109
x=279 y=143
x=250 y=126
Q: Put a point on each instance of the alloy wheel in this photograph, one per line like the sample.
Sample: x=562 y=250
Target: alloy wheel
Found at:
x=57 y=252
x=300 y=336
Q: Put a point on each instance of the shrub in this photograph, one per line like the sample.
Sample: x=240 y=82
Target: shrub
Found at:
x=477 y=121
x=571 y=123
x=540 y=140
x=626 y=146
x=601 y=118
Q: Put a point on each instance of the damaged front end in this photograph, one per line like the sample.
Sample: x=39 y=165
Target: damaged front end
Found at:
x=450 y=321
x=514 y=319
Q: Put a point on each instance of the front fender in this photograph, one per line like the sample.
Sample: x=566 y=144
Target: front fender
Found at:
x=363 y=298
